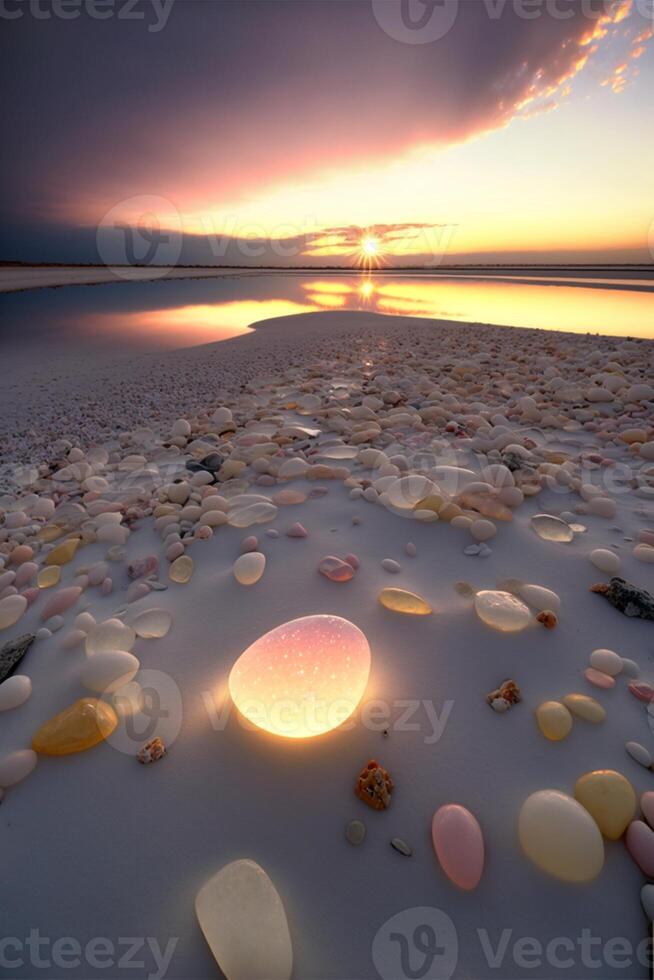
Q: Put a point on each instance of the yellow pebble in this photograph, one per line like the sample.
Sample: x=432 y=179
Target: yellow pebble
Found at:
x=49 y=533
x=48 y=577
x=584 y=707
x=64 y=552
x=80 y=726
x=181 y=570
x=401 y=601
x=554 y=720
x=610 y=799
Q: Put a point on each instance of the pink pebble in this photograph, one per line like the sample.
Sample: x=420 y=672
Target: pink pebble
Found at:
x=459 y=845
x=647 y=806
x=335 y=569
x=136 y=591
x=142 y=567
x=20 y=554
x=642 y=691
x=598 y=678
x=318 y=492
x=106 y=586
x=297 y=531
x=353 y=561
x=640 y=844
x=61 y=601
x=25 y=573
x=204 y=533
x=248 y=544
x=31 y=595
x=411 y=549
x=265 y=480
x=175 y=550
x=8 y=590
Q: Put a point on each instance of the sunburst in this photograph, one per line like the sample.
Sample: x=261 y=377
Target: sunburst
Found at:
x=369 y=253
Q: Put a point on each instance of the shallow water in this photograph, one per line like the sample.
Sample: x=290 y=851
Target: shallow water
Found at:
x=130 y=317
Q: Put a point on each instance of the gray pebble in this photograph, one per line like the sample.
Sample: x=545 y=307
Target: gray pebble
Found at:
x=399 y=845
x=355 y=832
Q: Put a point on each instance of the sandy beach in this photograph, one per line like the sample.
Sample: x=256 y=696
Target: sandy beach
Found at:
x=420 y=451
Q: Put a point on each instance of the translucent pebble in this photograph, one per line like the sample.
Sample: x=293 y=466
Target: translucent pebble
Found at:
x=77 y=728
x=610 y=799
x=249 y=568
x=401 y=601
x=64 y=552
x=554 y=720
x=109 y=670
x=405 y=492
x=128 y=699
x=181 y=570
x=502 y=611
x=84 y=621
x=152 y=624
x=644 y=552
x=258 y=513
x=288 y=497
x=551 y=528
x=73 y=639
x=559 y=835
x=335 y=569
x=112 y=634
x=584 y=707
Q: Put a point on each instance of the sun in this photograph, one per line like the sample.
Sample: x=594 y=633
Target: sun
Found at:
x=369 y=252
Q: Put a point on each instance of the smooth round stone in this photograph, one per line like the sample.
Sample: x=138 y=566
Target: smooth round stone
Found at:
x=554 y=720
x=392 y=566
x=584 y=707
x=244 y=923
x=303 y=678
x=246 y=516
x=502 y=611
x=109 y=670
x=16 y=766
x=249 y=568
x=599 y=678
x=355 y=832
x=639 y=754
x=181 y=570
x=339 y=452
x=128 y=699
x=644 y=552
x=459 y=845
x=640 y=844
x=12 y=608
x=288 y=498
x=559 y=835
x=647 y=900
x=48 y=577
x=25 y=574
x=607 y=661
x=411 y=549
x=483 y=530
x=551 y=528
x=335 y=569
x=14 y=691
x=401 y=601
x=607 y=561
x=641 y=691
x=297 y=530
x=82 y=725
x=610 y=799
x=250 y=543
x=112 y=634
x=630 y=668
x=539 y=598
x=61 y=601
x=152 y=624
x=647 y=806
x=407 y=491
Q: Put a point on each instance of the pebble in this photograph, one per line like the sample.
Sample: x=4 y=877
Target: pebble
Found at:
x=12 y=608
x=14 y=691
x=647 y=900
x=647 y=806
x=639 y=754
x=48 y=577
x=483 y=530
x=459 y=845
x=63 y=553
x=60 y=602
x=389 y=565
x=551 y=528
x=630 y=668
x=82 y=725
x=107 y=671
x=297 y=531
x=411 y=549
x=640 y=844
x=152 y=624
x=599 y=678
x=606 y=661
x=554 y=720
x=335 y=569
x=644 y=552
x=16 y=766
x=355 y=832
x=610 y=799
x=502 y=611
x=561 y=838
x=401 y=601
x=111 y=634
x=249 y=568
x=538 y=597
x=250 y=543
x=181 y=570
x=584 y=707
x=641 y=691
x=606 y=561
x=272 y=532
x=401 y=846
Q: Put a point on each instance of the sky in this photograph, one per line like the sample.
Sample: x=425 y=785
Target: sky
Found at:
x=327 y=132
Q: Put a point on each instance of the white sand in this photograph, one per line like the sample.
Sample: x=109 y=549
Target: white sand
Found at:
x=96 y=845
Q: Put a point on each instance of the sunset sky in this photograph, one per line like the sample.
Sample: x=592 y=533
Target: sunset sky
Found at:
x=525 y=132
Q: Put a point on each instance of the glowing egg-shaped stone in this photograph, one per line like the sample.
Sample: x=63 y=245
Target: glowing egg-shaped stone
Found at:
x=303 y=678
x=244 y=922
x=610 y=799
x=559 y=835
x=502 y=611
